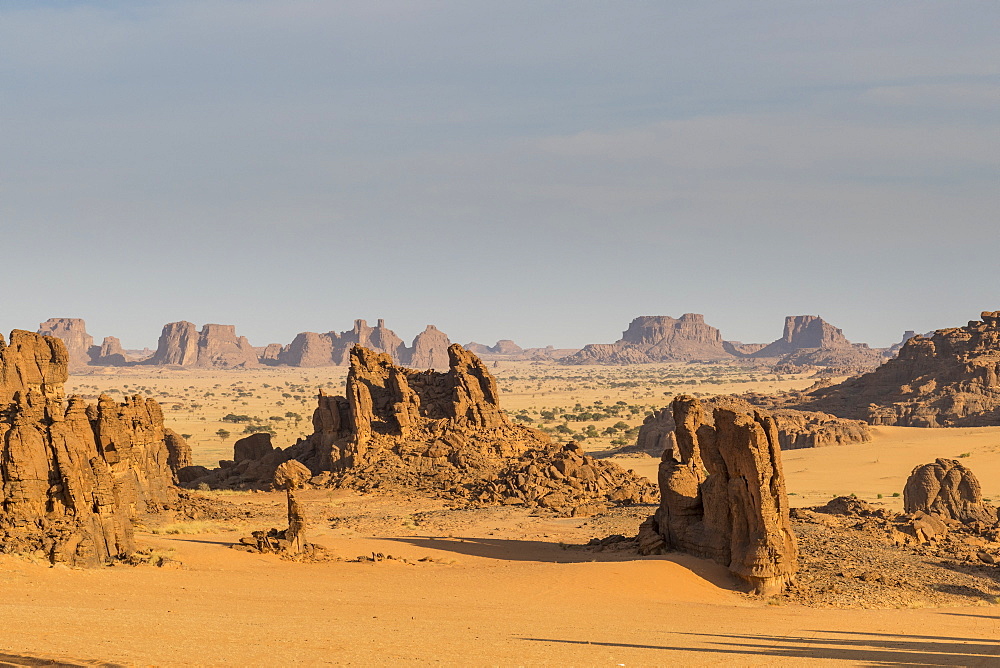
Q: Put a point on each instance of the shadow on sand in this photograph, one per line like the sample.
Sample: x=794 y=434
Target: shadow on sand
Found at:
x=556 y=553
x=868 y=649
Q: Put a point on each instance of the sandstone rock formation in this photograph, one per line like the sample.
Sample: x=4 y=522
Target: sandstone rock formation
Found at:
x=658 y=339
x=947 y=489
x=503 y=348
x=951 y=379
x=73 y=477
x=723 y=495
x=430 y=349
x=215 y=346
x=178 y=451
x=809 y=341
x=796 y=429
x=109 y=353
x=73 y=333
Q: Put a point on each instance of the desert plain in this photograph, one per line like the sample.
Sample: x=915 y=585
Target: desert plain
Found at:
x=415 y=580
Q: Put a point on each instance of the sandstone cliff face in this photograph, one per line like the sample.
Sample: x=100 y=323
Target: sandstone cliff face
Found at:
x=951 y=379
x=430 y=349
x=658 y=339
x=74 y=477
x=796 y=429
x=805 y=331
x=215 y=346
x=723 y=496
x=73 y=333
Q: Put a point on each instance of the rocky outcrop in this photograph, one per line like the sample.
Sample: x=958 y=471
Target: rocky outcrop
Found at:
x=951 y=379
x=809 y=341
x=73 y=333
x=658 y=339
x=502 y=348
x=109 y=353
x=723 y=496
x=73 y=477
x=430 y=349
x=215 y=346
x=949 y=490
x=398 y=426
x=796 y=429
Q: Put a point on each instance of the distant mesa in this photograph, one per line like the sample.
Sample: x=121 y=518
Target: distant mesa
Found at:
x=809 y=341
x=658 y=338
x=950 y=379
x=507 y=350
x=80 y=345
x=215 y=346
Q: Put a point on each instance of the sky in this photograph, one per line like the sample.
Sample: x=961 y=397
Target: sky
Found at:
x=531 y=170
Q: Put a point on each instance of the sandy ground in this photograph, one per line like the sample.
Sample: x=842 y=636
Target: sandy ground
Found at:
x=498 y=586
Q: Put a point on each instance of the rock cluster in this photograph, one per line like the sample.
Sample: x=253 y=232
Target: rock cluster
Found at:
x=723 y=496
x=951 y=379
x=217 y=346
x=289 y=542
x=73 y=477
x=567 y=480
x=948 y=489
x=796 y=429
x=658 y=338
x=310 y=349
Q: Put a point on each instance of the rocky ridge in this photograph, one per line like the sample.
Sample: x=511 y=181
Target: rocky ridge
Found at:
x=951 y=379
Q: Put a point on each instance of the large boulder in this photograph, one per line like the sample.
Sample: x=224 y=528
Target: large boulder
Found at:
x=947 y=488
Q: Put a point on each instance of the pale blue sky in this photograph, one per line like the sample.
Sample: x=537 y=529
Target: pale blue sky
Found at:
x=541 y=171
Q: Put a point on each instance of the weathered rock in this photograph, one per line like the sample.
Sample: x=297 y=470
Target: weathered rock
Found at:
x=430 y=349
x=723 y=495
x=948 y=489
x=73 y=333
x=109 y=353
x=254 y=446
x=178 y=451
x=215 y=346
x=949 y=380
x=310 y=349
x=399 y=427
x=796 y=429
x=74 y=477
x=658 y=339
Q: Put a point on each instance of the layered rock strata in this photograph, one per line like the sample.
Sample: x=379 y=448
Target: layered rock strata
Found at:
x=796 y=429
x=948 y=489
x=73 y=476
x=723 y=496
x=951 y=379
